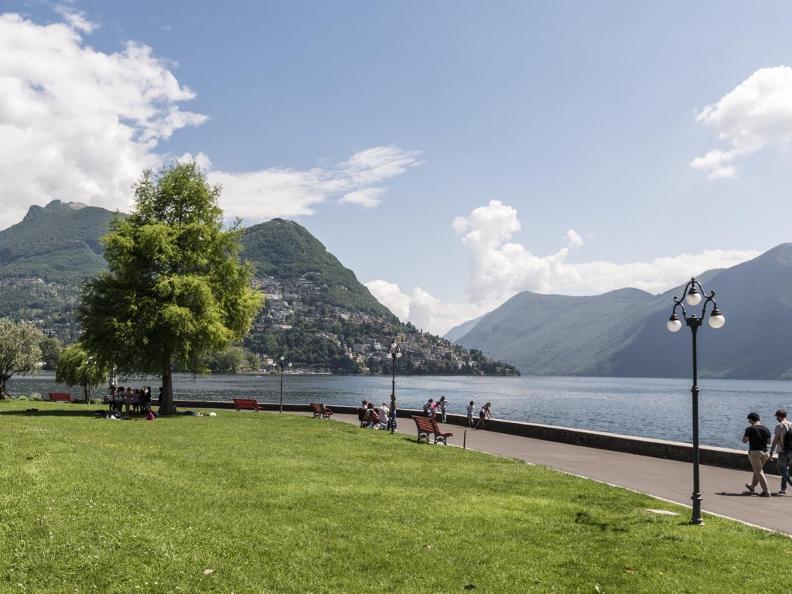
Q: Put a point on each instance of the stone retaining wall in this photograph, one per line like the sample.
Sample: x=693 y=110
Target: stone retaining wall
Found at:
x=642 y=446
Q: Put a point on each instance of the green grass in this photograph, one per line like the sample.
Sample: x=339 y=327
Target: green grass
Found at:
x=290 y=504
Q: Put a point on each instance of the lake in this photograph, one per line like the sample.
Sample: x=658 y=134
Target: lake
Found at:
x=647 y=407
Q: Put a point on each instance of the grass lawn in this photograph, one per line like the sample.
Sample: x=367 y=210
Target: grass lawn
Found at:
x=282 y=503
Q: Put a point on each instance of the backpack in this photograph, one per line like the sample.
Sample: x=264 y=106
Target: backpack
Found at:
x=786 y=440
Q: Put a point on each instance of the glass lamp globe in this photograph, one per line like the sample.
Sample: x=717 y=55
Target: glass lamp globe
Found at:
x=693 y=296
x=717 y=319
x=673 y=324
x=398 y=354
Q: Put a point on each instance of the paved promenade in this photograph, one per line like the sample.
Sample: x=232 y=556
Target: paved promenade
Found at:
x=722 y=489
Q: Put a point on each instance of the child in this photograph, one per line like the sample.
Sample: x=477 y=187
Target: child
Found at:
x=470 y=408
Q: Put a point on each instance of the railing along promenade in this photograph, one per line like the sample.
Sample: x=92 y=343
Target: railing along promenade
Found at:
x=641 y=446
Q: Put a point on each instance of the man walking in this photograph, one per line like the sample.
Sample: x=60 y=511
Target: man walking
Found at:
x=780 y=438
x=757 y=436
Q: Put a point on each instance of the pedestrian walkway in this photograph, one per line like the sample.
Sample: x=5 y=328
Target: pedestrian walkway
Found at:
x=722 y=489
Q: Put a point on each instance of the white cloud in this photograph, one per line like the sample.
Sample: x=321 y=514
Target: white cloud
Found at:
x=500 y=268
x=81 y=125
x=367 y=198
x=77 y=123
x=75 y=18
x=754 y=115
x=422 y=309
x=276 y=192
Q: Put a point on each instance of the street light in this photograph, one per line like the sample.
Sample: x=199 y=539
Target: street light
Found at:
x=282 y=363
x=395 y=354
x=692 y=295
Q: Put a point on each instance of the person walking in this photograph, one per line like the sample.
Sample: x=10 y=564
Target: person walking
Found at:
x=484 y=414
x=781 y=438
x=757 y=437
x=470 y=408
x=442 y=404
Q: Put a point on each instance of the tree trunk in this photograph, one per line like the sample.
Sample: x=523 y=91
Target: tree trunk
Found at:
x=3 y=392
x=166 y=406
x=85 y=391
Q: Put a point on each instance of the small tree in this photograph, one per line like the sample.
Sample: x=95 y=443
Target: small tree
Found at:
x=51 y=349
x=175 y=288
x=19 y=350
x=77 y=368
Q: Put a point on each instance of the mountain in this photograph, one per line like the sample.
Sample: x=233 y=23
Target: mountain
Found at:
x=43 y=260
x=622 y=333
x=287 y=251
x=458 y=332
x=316 y=311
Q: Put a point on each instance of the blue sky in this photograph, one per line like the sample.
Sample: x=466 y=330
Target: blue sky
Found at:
x=573 y=115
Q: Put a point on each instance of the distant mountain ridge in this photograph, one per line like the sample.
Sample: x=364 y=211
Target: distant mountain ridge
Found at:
x=623 y=334
x=316 y=311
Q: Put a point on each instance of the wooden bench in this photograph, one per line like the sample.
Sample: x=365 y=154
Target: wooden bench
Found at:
x=60 y=397
x=247 y=404
x=320 y=411
x=427 y=426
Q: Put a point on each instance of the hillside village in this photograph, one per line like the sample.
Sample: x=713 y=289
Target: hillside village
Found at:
x=354 y=341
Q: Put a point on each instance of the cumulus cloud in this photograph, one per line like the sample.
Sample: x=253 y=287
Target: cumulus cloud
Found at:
x=77 y=123
x=500 y=268
x=277 y=192
x=81 y=125
x=423 y=309
x=75 y=19
x=754 y=115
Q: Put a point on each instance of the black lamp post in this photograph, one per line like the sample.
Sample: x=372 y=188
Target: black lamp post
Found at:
x=395 y=353
x=282 y=363
x=693 y=296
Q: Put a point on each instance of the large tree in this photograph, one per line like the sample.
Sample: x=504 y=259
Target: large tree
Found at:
x=175 y=288
x=77 y=368
x=19 y=350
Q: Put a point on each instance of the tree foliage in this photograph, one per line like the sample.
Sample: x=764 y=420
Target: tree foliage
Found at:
x=175 y=288
x=19 y=350
x=77 y=368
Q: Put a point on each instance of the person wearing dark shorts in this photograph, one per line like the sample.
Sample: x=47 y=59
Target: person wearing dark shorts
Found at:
x=757 y=436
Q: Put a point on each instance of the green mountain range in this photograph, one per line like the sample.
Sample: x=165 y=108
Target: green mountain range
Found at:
x=623 y=333
x=316 y=312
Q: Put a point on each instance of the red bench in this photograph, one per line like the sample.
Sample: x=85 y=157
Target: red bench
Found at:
x=320 y=411
x=60 y=397
x=427 y=426
x=247 y=404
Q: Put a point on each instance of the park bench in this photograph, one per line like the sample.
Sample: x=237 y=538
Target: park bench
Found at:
x=427 y=426
x=60 y=397
x=247 y=404
x=320 y=411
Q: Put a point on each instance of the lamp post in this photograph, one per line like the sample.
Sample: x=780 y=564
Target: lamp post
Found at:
x=693 y=296
x=282 y=363
x=395 y=353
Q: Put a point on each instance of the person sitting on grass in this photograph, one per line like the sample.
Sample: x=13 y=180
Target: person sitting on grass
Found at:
x=384 y=415
x=362 y=413
x=371 y=418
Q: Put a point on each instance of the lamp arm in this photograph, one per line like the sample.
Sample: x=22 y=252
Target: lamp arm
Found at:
x=710 y=299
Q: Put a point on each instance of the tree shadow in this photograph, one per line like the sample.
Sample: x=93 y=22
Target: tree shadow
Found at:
x=34 y=412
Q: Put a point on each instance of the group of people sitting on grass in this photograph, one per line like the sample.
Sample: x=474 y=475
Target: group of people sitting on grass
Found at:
x=374 y=417
x=136 y=400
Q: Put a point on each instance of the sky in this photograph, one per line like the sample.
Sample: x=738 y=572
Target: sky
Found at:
x=451 y=153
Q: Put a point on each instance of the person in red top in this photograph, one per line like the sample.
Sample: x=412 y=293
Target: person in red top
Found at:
x=757 y=436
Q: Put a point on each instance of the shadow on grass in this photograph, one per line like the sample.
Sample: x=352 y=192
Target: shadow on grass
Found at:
x=96 y=414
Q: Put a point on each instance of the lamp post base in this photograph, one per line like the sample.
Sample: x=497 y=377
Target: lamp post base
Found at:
x=696 y=517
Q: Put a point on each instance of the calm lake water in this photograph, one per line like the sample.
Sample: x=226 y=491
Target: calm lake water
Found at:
x=647 y=407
